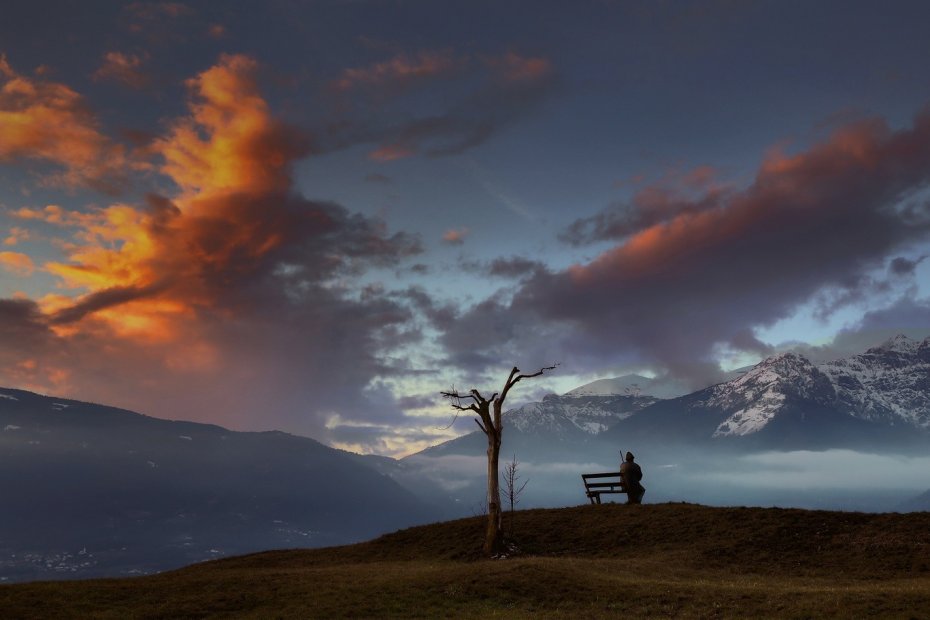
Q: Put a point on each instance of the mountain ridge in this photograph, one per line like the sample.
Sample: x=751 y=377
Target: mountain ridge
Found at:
x=102 y=491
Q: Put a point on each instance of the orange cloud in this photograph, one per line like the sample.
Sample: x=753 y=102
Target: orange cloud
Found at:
x=817 y=221
x=50 y=214
x=400 y=70
x=15 y=235
x=216 y=31
x=219 y=296
x=142 y=269
x=123 y=68
x=455 y=236
x=391 y=152
x=137 y=269
x=117 y=245
x=49 y=121
x=245 y=150
x=512 y=67
x=30 y=374
x=16 y=263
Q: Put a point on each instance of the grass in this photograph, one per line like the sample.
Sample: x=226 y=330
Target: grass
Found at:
x=666 y=560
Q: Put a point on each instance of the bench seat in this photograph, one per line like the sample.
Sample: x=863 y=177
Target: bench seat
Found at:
x=596 y=485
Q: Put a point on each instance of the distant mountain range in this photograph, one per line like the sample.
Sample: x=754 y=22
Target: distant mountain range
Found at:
x=89 y=490
x=877 y=401
x=631 y=385
x=784 y=402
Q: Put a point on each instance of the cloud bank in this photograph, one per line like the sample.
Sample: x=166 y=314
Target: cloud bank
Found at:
x=690 y=271
x=226 y=300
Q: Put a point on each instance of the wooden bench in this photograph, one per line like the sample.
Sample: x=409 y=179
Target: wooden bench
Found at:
x=597 y=484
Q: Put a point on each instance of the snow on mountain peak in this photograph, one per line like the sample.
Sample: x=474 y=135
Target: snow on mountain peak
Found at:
x=889 y=383
x=570 y=413
x=631 y=385
x=897 y=344
x=627 y=385
x=759 y=394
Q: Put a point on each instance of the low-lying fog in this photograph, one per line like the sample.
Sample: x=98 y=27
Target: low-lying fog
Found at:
x=831 y=479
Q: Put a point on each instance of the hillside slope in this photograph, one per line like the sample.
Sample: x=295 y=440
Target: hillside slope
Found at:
x=90 y=491
x=601 y=561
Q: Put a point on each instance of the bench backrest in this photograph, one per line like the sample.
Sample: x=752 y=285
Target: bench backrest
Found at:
x=604 y=481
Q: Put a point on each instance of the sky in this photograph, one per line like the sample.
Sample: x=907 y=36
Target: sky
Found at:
x=314 y=216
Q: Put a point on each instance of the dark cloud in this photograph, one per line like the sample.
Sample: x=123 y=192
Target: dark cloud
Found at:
x=508 y=87
x=514 y=267
x=856 y=288
x=377 y=177
x=668 y=294
x=102 y=300
x=417 y=401
x=504 y=267
x=22 y=325
x=745 y=340
x=906 y=315
x=650 y=206
x=901 y=266
x=441 y=315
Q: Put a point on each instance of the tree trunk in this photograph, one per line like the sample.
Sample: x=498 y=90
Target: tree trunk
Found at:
x=494 y=539
x=492 y=428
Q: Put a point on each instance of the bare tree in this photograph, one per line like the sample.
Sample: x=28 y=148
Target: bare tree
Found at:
x=489 y=421
x=512 y=487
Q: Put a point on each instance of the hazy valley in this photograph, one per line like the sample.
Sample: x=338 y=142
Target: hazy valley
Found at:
x=98 y=491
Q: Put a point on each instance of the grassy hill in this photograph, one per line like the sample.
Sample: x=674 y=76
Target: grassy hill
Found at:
x=603 y=561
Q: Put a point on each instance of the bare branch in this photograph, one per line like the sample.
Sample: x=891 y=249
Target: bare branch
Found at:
x=515 y=377
x=478 y=397
x=481 y=426
x=537 y=373
x=509 y=381
x=456 y=396
x=455 y=401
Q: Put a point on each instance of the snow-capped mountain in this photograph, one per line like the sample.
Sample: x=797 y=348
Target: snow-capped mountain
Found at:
x=888 y=385
x=631 y=385
x=562 y=416
x=785 y=401
x=876 y=401
x=755 y=398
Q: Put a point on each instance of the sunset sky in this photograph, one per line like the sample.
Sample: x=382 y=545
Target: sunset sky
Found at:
x=313 y=216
